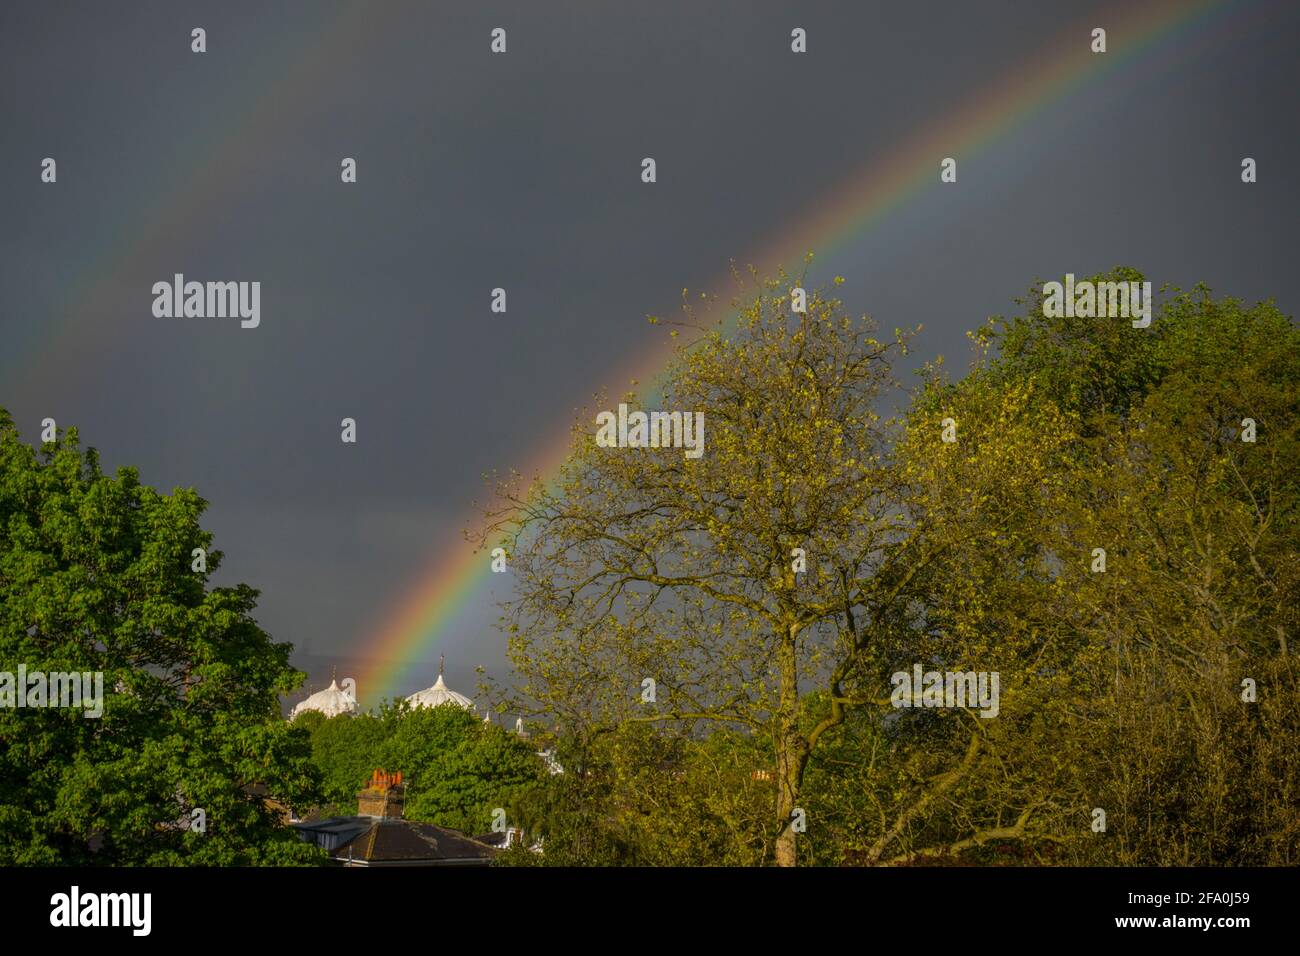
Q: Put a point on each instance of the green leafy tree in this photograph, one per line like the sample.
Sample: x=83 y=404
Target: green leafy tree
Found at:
x=96 y=576
x=461 y=768
x=640 y=796
x=1122 y=687
x=457 y=769
x=346 y=750
x=1195 y=679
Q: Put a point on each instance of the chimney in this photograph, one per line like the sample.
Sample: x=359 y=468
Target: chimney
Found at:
x=384 y=796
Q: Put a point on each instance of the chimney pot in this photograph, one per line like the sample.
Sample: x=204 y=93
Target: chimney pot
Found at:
x=383 y=797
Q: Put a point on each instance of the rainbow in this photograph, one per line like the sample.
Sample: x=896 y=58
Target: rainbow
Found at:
x=423 y=615
x=269 y=88
x=273 y=87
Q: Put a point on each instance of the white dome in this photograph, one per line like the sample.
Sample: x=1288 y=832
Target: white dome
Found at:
x=331 y=702
x=437 y=695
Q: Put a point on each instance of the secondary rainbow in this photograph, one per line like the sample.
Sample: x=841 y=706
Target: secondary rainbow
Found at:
x=421 y=616
x=273 y=87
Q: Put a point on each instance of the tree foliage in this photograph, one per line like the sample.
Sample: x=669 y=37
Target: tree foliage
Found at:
x=95 y=576
x=457 y=769
x=1123 y=691
x=643 y=563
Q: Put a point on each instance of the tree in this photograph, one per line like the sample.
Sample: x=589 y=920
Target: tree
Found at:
x=646 y=564
x=462 y=769
x=639 y=796
x=656 y=589
x=1198 y=685
x=345 y=749
x=457 y=769
x=96 y=576
x=1124 y=666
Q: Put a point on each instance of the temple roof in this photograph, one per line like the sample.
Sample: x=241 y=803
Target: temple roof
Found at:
x=439 y=694
x=331 y=702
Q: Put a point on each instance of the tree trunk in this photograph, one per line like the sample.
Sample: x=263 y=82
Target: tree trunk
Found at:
x=791 y=751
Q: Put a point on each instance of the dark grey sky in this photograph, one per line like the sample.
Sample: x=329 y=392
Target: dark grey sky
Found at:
x=522 y=171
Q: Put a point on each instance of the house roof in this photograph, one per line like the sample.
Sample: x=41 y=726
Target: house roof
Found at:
x=404 y=842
